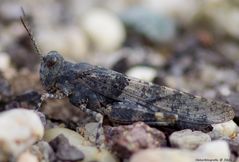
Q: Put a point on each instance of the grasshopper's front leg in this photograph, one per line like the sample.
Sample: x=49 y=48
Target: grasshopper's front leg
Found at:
x=46 y=96
x=128 y=112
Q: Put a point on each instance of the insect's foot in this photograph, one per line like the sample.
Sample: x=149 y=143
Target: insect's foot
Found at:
x=37 y=107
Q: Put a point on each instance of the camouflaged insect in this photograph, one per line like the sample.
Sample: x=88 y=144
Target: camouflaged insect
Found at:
x=124 y=100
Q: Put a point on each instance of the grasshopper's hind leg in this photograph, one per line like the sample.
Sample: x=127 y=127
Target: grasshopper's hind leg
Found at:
x=89 y=103
x=99 y=118
x=127 y=112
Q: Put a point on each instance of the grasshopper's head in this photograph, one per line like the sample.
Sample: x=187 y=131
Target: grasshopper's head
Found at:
x=50 y=70
x=51 y=64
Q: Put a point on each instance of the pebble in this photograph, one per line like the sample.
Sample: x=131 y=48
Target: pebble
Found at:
x=4 y=61
x=94 y=154
x=74 y=137
x=104 y=29
x=218 y=149
x=188 y=139
x=71 y=42
x=27 y=157
x=218 y=11
x=64 y=151
x=163 y=155
x=20 y=128
x=91 y=152
x=43 y=151
x=91 y=131
x=175 y=8
x=142 y=72
x=226 y=129
x=155 y=27
x=129 y=139
x=224 y=90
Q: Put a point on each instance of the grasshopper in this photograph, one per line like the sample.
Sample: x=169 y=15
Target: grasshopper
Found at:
x=103 y=92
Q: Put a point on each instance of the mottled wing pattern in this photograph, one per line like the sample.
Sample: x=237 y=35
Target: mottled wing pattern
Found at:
x=189 y=108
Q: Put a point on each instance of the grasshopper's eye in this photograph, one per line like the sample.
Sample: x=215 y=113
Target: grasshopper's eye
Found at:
x=51 y=63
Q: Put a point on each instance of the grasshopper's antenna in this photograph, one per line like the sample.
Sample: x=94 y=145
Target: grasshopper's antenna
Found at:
x=29 y=32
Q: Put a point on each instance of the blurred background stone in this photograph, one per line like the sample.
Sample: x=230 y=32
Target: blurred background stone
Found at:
x=104 y=29
x=154 y=27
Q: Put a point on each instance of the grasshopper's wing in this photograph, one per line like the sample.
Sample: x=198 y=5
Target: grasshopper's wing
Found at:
x=189 y=108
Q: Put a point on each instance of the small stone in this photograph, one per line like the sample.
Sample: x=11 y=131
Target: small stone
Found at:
x=4 y=61
x=91 y=152
x=155 y=27
x=126 y=140
x=104 y=29
x=27 y=157
x=44 y=151
x=94 y=154
x=142 y=72
x=213 y=150
x=163 y=155
x=233 y=145
x=224 y=90
x=188 y=139
x=227 y=129
x=64 y=151
x=223 y=10
x=73 y=137
x=20 y=128
x=91 y=131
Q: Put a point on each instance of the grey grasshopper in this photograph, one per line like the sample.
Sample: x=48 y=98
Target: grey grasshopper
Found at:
x=124 y=100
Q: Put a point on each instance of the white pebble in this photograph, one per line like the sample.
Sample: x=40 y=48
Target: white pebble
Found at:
x=142 y=72
x=27 y=157
x=4 y=61
x=227 y=129
x=104 y=29
x=188 y=139
x=71 y=42
x=213 y=150
x=224 y=90
x=20 y=128
x=163 y=155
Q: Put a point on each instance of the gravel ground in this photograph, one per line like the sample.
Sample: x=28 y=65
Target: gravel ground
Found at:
x=187 y=45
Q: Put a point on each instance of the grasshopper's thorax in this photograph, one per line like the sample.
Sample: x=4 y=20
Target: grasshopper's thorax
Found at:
x=50 y=70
